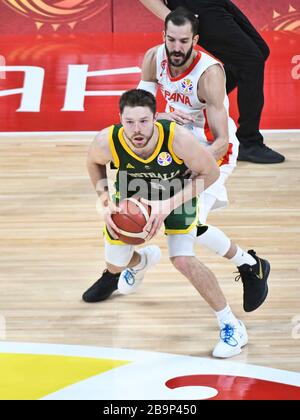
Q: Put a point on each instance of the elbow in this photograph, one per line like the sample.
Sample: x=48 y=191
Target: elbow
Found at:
x=91 y=166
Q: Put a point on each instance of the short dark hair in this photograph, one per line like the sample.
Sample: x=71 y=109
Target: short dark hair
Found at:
x=137 y=97
x=180 y=16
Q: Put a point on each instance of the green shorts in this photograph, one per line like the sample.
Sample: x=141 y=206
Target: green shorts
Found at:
x=183 y=219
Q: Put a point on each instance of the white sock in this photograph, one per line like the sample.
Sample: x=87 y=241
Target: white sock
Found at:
x=226 y=317
x=242 y=257
x=141 y=265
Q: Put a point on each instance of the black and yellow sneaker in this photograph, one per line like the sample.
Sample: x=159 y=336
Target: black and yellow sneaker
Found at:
x=254 y=278
x=103 y=287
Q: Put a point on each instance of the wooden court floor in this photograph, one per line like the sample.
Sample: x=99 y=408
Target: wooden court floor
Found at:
x=51 y=251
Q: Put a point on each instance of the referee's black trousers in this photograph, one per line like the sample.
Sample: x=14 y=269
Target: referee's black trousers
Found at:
x=226 y=33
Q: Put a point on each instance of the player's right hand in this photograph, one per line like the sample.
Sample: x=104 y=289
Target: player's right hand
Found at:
x=108 y=210
x=180 y=117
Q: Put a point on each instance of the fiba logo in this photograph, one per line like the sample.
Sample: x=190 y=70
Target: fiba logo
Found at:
x=164 y=159
x=187 y=86
x=57 y=12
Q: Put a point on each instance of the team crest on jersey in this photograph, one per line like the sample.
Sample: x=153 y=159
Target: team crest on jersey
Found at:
x=187 y=85
x=164 y=159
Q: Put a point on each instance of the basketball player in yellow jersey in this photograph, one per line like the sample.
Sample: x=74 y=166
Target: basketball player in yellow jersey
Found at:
x=139 y=140
x=193 y=84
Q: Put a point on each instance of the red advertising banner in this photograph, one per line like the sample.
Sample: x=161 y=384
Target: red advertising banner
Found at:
x=63 y=69
x=58 y=83
x=46 y=16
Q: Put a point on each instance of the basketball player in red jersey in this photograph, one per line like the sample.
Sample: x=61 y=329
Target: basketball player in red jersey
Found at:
x=193 y=84
x=155 y=148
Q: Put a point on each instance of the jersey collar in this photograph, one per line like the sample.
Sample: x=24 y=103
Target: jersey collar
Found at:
x=131 y=152
x=187 y=71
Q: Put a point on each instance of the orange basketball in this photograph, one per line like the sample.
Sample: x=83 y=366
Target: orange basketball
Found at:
x=131 y=221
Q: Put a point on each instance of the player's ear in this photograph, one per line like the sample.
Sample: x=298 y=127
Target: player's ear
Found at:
x=155 y=116
x=164 y=36
x=195 y=40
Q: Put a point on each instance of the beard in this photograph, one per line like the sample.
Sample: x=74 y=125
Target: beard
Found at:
x=184 y=57
x=144 y=140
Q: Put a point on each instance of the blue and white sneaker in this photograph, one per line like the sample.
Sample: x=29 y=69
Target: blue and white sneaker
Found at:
x=130 y=279
x=232 y=339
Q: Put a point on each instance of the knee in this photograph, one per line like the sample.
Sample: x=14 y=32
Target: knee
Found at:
x=255 y=64
x=181 y=263
x=252 y=63
x=261 y=56
x=266 y=52
x=264 y=49
x=261 y=51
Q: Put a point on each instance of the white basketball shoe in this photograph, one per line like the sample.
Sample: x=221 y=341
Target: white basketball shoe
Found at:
x=232 y=339
x=130 y=279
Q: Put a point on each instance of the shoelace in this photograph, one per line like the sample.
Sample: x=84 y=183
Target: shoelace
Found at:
x=265 y=147
x=129 y=277
x=239 y=275
x=226 y=334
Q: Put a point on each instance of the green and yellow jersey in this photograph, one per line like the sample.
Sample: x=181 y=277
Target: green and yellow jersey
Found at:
x=158 y=177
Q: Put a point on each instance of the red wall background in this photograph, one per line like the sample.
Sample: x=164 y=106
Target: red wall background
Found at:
x=124 y=15
x=114 y=34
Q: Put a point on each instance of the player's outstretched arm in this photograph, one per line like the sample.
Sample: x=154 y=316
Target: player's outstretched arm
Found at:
x=148 y=80
x=99 y=155
x=212 y=89
x=199 y=160
x=157 y=7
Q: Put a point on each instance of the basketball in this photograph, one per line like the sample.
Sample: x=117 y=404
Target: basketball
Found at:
x=131 y=221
